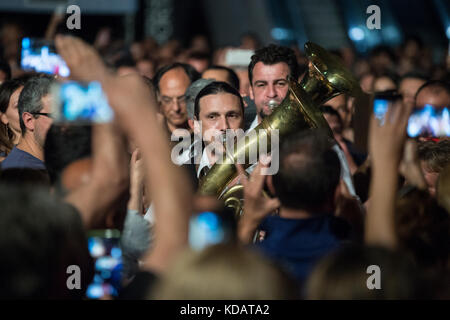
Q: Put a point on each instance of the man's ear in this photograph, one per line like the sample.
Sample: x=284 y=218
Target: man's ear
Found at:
x=27 y=119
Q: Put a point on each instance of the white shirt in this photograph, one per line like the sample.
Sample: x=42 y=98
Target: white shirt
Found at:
x=254 y=124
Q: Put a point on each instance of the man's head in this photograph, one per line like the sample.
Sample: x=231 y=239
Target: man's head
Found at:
x=435 y=92
x=171 y=83
x=218 y=107
x=309 y=172
x=35 y=108
x=340 y=104
x=333 y=118
x=221 y=73
x=408 y=86
x=269 y=72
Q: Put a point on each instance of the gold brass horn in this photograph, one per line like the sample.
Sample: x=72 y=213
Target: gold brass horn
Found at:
x=326 y=78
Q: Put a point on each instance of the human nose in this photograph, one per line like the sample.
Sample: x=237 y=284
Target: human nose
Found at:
x=271 y=92
x=223 y=124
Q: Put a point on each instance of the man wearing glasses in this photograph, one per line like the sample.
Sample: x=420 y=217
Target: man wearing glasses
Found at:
x=35 y=119
x=171 y=83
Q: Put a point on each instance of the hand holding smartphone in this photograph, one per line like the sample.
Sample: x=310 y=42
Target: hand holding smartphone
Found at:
x=427 y=121
x=80 y=103
x=40 y=55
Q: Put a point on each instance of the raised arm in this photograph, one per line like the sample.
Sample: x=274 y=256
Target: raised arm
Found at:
x=135 y=108
x=385 y=147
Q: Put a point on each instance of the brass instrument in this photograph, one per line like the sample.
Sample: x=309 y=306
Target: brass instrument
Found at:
x=326 y=78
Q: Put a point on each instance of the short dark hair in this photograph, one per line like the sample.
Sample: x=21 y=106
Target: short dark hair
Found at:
x=215 y=88
x=30 y=99
x=65 y=144
x=273 y=54
x=233 y=78
x=435 y=85
x=188 y=69
x=309 y=171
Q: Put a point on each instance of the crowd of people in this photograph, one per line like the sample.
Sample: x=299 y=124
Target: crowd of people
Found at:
x=310 y=231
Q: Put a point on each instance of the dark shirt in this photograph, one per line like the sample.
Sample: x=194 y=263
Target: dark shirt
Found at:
x=357 y=156
x=140 y=287
x=23 y=160
x=298 y=244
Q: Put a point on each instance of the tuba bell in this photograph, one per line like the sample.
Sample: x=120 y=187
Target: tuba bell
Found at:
x=325 y=79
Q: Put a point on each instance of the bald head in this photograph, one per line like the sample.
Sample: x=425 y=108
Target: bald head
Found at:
x=436 y=93
x=76 y=174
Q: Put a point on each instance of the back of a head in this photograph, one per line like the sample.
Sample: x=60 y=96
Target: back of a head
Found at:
x=224 y=272
x=30 y=97
x=273 y=54
x=39 y=239
x=65 y=144
x=309 y=171
x=345 y=275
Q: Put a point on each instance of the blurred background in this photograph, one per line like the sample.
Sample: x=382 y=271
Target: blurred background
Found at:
x=167 y=30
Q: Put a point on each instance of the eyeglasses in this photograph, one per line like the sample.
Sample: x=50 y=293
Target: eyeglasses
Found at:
x=41 y=114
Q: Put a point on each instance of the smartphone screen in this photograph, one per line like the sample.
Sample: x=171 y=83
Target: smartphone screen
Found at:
x=382 y=102
x=104 y=247
x=209 y=228
x=40 y=55
x=429 y=121
x=81 y=103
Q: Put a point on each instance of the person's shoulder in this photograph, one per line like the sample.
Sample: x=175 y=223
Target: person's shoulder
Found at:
x=21 y=159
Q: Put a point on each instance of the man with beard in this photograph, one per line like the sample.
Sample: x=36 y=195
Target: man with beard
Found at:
x=268 y=72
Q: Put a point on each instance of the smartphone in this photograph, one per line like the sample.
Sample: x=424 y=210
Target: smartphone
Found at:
x=40 y=55
x=80 y=103
x=429 y=121
x=210 y=228
x=238 y=57
x=383 y=101
x=104 y=247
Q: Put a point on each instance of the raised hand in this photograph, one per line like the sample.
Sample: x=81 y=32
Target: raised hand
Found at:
x=256 y=205
x=385 y=144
